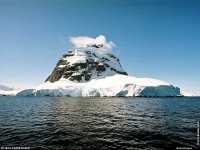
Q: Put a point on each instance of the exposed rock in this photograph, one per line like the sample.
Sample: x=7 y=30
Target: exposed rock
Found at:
x=76 y=77
x=120 y=72
x=101 y=68
x=55 y=76
x=87 y=77
x=112 y=56
x=95 y=45
x=83 y=64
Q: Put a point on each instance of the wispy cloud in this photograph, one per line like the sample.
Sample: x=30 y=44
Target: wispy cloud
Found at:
x=83 y=41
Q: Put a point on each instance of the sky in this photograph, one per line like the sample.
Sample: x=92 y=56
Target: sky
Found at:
x=154 y=38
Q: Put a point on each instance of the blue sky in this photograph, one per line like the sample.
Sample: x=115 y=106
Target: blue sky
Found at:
x=155 y=38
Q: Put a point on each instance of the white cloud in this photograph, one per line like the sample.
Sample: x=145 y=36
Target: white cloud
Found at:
x=83 y=41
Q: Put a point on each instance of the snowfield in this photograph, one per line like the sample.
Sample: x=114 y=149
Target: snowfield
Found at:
x=7 y=91
x=5 y=88
x=117 y=85
x=190 y=94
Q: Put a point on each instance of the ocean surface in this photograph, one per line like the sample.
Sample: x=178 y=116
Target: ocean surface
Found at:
x=99 y=123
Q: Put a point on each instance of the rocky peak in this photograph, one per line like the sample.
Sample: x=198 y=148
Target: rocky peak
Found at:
x=86 y=63
x=95 y=45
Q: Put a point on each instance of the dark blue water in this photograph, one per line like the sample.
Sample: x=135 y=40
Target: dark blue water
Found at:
x=99 y=123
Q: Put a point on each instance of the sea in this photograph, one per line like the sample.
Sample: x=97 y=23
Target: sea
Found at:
x=62 y=123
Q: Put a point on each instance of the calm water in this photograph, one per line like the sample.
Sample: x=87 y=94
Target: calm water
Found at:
x=99 y=123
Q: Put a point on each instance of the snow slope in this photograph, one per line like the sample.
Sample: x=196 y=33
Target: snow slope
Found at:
x=116 y=85
x=9 y=93
x=5 y=91
x=5 y=88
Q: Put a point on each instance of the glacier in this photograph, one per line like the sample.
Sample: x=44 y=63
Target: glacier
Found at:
x=116 y=85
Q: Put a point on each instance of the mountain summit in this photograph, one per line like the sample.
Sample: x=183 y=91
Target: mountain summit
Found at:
x=87 y=63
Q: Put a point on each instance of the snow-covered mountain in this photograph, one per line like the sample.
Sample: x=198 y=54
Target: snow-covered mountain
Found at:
x=94 y=70
x=87 y=63
x=5 y=90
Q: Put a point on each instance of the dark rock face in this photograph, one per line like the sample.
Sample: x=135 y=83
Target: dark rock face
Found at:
x=100 y=68
x=95 y=45
x=92 y=65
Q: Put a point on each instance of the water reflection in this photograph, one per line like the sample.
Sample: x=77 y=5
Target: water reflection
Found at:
x=98 y=123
